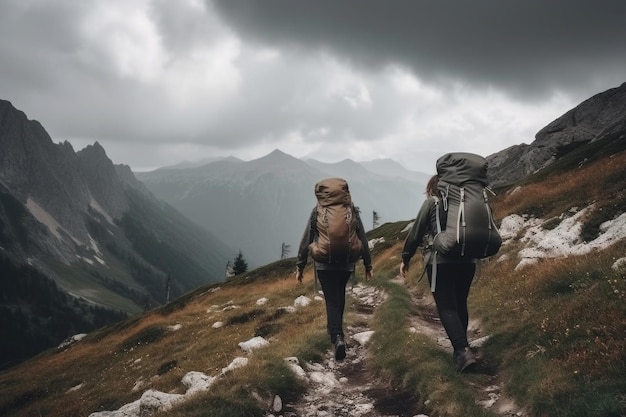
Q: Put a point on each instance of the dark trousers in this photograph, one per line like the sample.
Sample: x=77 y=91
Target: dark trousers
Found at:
x=451 y=292
x=334 y=287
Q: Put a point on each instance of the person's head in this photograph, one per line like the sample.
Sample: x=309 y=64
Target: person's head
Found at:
x=431 y=186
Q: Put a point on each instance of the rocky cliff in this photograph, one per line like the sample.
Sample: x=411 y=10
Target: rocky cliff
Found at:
x=601 y=116
x=75 y=225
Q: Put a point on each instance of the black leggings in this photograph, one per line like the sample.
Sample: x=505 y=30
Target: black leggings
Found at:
x=451 y=292
x=334 y=288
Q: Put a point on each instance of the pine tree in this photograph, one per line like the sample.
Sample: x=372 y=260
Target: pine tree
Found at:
x=239 y=264
x=285 y=250
x=375 y=219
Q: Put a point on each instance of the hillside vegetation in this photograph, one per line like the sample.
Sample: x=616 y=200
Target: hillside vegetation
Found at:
x=557 y=326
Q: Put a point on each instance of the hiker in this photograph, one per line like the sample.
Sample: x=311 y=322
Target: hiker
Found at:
x=453 y=280
x=335 y=237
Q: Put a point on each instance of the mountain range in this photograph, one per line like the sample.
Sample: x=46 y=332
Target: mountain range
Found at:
x=264 y=203
x=257 y=206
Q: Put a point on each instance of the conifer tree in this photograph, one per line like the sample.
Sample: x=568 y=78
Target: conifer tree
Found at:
x=285 y=250
x=239 y=264
x=375 y=219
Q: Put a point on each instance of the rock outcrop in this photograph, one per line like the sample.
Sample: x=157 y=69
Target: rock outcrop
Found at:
x=594 y=119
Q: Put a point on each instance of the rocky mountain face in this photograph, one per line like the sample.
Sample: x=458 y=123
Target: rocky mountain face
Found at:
x=75 y=225
x=258 y=205
x=600 y=117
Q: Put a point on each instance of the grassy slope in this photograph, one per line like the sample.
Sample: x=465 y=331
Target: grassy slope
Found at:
x=558 y=330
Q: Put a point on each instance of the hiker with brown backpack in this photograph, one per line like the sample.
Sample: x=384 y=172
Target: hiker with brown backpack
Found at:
x=455 y=228
x=335 y=237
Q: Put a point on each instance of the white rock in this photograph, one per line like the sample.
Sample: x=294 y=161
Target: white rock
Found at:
x=619 y=264
x=364 y=337
x=277 y=406
x=197 y=381
x=262 y=301
x=238 y=362
x=511 y=226
x=526 y=262
x=302 y=301
x=315 y=367
x=326 y=379
x=361 y=409
x=374 y=242
x=75 y=388
x=72 y=339
x=152 y=401
x=479 y=342
x=297 y=369
x=254 y=343
x=218 y=324
x=139 y=384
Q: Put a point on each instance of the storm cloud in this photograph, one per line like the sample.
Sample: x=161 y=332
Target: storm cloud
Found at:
x=157 y=82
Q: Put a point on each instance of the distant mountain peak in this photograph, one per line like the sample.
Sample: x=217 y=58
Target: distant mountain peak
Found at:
x=273 y=159
x=277 y=154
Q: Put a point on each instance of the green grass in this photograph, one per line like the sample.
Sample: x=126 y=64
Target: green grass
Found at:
x=79 y=281
x=412 y=362
x=558 y=333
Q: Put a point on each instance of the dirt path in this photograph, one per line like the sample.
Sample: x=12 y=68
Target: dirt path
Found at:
x=489 y=389
x=346 y=388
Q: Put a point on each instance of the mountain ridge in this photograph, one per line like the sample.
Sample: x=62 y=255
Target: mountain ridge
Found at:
x=268 y=199
x=81 y=225
x=600 y=116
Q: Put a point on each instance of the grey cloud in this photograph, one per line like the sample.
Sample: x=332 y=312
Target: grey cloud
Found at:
x=528 y=47
x=68 y=81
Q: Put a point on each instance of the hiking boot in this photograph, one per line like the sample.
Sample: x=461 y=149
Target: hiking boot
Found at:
x=340 y=348
x=464 y=359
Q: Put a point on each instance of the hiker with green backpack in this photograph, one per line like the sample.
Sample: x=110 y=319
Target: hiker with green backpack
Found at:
x=335 y=237
x=455 y=228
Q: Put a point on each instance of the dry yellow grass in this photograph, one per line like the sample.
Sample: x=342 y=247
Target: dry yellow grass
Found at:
x=104 y=368
x=588 y=183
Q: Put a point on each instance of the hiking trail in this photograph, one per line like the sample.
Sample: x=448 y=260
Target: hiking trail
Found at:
x=348 y=388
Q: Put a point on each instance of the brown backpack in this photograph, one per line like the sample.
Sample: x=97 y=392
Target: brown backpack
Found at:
x=336 y=221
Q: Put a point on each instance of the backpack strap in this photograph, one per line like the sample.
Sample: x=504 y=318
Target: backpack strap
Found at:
x=460 y=221
x=314 y=220
x=489 y=214
x=433 y=283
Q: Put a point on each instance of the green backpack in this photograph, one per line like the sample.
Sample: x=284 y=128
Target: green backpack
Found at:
x=470 y=230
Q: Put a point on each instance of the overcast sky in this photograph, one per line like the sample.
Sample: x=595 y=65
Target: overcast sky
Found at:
x=157 y=82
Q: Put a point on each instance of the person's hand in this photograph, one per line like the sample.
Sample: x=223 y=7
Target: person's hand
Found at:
x=404 y=269
x=299 y=275
x=369 y=275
